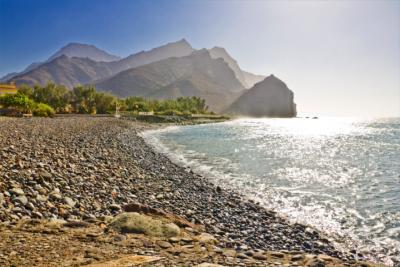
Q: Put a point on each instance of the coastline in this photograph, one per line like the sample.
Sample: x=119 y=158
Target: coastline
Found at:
x=154 y=143
x=103 y=164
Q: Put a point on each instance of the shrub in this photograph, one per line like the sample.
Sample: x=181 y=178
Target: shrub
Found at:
x=43 y=110
x=18 y=101
x=105 y=103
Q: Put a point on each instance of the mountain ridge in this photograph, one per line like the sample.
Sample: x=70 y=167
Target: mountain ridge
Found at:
x=73 y=49
x=65 y=70
x=246 y=78
x=207 y=76
x=43 y=71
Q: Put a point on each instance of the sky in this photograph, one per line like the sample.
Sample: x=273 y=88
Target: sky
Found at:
x=341 y=58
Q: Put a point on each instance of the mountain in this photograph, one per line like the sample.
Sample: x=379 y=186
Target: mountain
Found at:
x=8 y=76
x=219 y=52
x=11 y=75
x=67 y=71
x=175 y=49
x=216 y=95
x=268 y=98
x=84 y=51
x=70 y=50
x=246 y=78
x=195 y=75
x=165 y=72
x=74 y=74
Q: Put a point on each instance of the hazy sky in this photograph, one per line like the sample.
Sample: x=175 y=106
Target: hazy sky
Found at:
x=339 y=57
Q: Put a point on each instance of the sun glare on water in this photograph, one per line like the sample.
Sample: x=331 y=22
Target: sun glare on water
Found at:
x=307 y=127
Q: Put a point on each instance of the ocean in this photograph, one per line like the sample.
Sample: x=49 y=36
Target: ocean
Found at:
x=339 y=175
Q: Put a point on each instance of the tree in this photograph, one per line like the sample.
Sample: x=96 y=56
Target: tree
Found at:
x=26 y=90
x=104 y=102
x=83 y=99
x=57 y=96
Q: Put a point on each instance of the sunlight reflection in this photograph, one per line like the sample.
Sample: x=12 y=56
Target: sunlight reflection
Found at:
x=326 y=126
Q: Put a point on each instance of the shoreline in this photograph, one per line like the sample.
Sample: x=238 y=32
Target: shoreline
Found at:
x=211 y=185
x=103 y=164
x=340 y=242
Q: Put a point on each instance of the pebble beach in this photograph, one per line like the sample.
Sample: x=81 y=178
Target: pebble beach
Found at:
x=64 y=180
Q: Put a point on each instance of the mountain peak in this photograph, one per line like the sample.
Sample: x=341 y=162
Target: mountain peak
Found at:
x=173 y=49
x=75 y=49
x=181 y=44
x=220 y=52
x=184 y=41
x=272 y=78
x=71 y=44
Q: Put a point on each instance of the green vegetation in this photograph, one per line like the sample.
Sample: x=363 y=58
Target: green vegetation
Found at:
x=52 y=98
x=18 y=101
x=43 y=110
x=24 y=104
x=180 y=106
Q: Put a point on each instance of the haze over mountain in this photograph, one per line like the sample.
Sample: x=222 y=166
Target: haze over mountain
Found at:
x=166 y=72
x=174 y=49
x=247 y=79
x=220 y=52
x=195 y=75
x=251 y=79
x=270 y=97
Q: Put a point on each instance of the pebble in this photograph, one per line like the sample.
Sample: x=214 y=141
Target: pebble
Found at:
x=298 y=257
x=115 y=207
x=164 y=244
x=259 y=256
x=17 y=191
x=23 y=200
x=119 y=238
x=229 y=253
x=69 y=201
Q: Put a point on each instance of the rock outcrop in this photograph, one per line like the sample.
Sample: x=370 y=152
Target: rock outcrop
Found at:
x=268 y=98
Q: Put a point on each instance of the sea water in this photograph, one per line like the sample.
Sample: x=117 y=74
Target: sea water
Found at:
x=339 y=175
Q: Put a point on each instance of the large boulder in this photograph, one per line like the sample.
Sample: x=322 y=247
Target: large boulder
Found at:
x=133 y=222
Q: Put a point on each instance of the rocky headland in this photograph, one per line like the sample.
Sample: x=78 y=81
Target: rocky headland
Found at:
x=89 y=191
x=268 y=98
